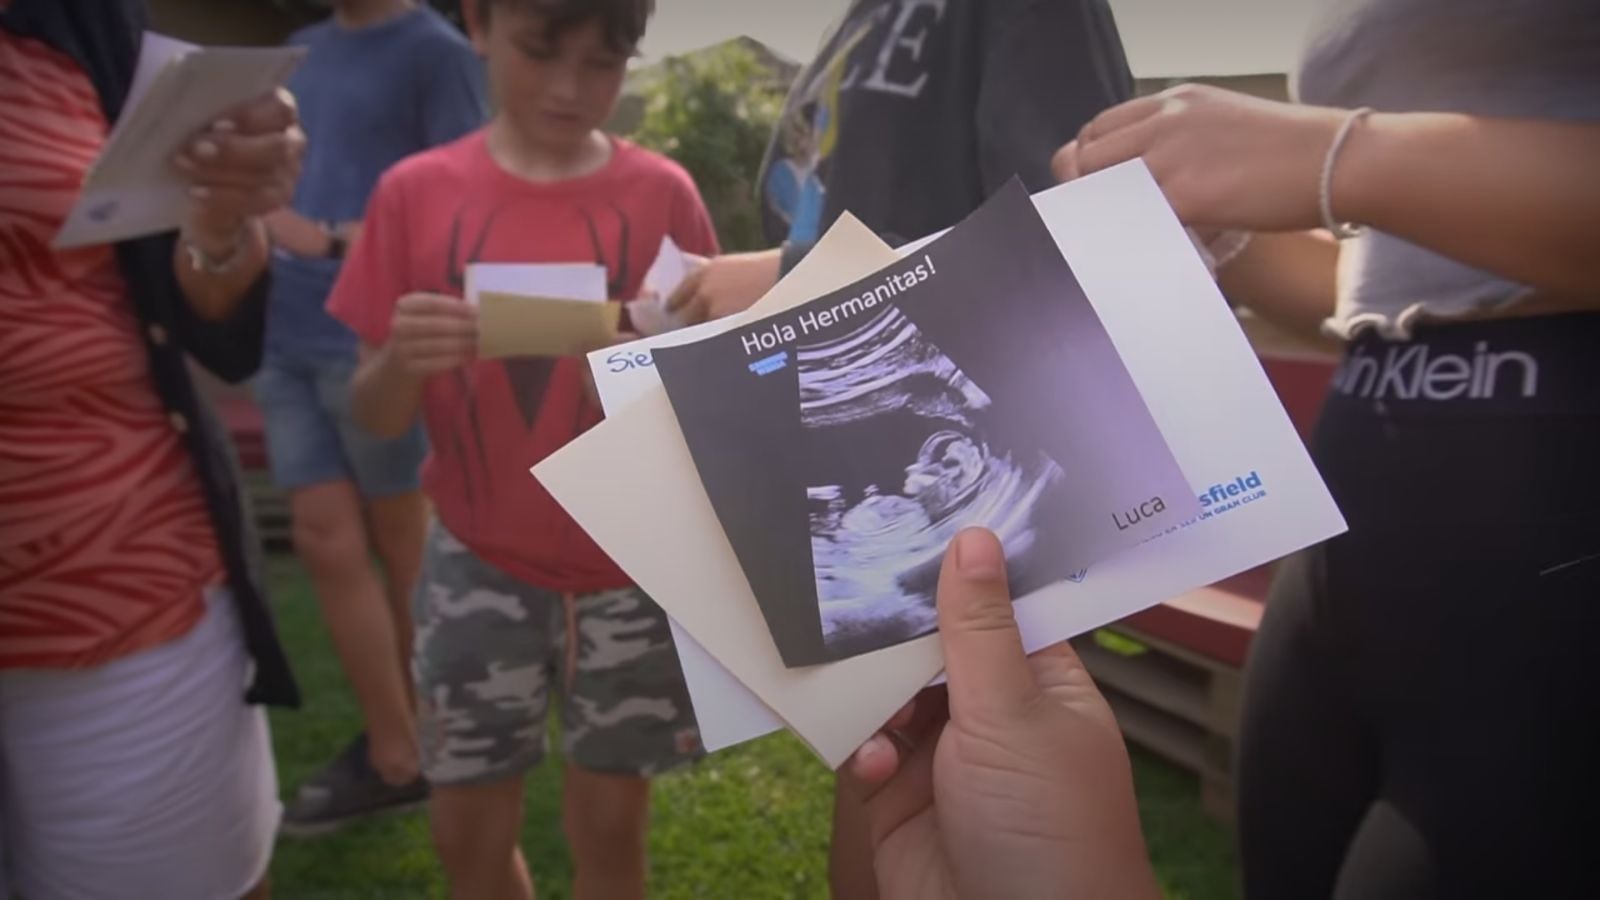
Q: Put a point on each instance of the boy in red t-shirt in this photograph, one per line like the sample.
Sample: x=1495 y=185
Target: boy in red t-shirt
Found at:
x=514 y=600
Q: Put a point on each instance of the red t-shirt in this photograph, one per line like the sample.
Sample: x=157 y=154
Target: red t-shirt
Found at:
x=490 y=422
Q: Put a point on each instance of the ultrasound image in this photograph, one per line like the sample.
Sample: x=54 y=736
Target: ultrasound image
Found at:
x=904 y=454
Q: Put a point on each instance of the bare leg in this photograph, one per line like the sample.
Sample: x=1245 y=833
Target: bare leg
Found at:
x=476 y=830
x=331 y=539
x=399 y=527
x=605 y=817
x=850 y=872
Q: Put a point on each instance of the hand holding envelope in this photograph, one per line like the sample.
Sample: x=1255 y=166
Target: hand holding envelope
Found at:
x=541 y=309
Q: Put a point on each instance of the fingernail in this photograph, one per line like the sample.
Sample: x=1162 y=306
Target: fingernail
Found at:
x=876 y=746
x=224 y=125
x=979 y=555
x=205 y=149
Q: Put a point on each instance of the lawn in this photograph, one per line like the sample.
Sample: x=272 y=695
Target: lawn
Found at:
x=747 y=823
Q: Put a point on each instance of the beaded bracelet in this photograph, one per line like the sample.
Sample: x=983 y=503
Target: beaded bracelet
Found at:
x=1340 y=230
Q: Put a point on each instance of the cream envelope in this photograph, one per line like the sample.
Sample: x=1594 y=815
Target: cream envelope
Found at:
x=1197 y=374
x=728 y=712
x=514 y=325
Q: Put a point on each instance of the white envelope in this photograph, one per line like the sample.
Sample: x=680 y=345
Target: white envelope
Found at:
x=561 y=281
x=729 y=713
x=1185 y=352
x=178 y=89
x=670 y=268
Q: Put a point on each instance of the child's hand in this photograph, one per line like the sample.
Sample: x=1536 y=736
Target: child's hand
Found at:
x=432 y=333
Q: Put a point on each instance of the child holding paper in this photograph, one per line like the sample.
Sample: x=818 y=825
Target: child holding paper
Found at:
x=516 y=604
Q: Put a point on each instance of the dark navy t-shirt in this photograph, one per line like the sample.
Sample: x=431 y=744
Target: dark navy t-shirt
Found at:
x=368 y=98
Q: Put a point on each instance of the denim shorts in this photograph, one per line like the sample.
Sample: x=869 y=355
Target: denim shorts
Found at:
x=311 y=438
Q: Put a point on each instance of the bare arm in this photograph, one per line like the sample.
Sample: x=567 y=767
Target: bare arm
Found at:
x=429 y=335
x=1287 y=278
x=385 y=399
x=302 y=237
x=1520 y=198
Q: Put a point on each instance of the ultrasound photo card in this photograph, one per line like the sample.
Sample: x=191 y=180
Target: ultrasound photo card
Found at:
x=845 y=442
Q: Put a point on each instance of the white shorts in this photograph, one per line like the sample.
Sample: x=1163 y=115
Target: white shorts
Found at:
x=145 y=777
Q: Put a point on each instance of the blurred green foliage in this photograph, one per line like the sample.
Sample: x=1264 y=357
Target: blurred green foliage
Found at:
x=714 y=113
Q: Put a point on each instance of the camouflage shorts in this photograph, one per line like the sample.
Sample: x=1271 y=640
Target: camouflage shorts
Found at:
x=491 y=650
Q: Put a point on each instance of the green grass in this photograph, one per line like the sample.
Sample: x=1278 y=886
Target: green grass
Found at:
x=748 y=823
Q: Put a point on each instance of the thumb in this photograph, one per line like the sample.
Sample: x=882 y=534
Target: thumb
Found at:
x=987 y=669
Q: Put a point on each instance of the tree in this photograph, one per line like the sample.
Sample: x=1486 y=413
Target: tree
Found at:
x=713 y=112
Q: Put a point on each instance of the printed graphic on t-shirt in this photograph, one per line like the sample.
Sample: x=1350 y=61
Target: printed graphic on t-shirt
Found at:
x=883 y=50
x=609 y=233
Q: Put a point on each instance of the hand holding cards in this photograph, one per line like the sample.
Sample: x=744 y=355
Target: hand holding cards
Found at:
x=178 y=89
x=1069 y=378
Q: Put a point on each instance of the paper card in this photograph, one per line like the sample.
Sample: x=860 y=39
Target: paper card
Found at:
x=844 y=443
x=561 y=281
x=649 y=315
x=626 y=378
x=728 y=713
x=1200 y=380
x=178 y=90
x=668 y=270
x=512 y=325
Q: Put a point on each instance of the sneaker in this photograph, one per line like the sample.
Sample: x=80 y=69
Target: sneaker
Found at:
x=347 y=789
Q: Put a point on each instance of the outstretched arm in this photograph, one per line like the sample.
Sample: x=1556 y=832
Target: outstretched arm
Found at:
x=1520 y=198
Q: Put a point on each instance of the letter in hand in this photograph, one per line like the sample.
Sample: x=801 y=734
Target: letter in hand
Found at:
x=244 y=166
x=433 y=333
x=720 y=287
x=1011 y=782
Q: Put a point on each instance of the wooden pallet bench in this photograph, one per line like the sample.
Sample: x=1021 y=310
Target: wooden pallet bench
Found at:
x=1172 y=675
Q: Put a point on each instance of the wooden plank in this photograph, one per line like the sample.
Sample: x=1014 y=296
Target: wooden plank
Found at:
x=1149 y=679
x=1165 y=735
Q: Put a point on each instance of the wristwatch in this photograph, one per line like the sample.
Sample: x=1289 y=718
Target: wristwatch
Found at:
x=337 y=243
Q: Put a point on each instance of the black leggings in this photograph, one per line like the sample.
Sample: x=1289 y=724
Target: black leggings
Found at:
x=1422 y=702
